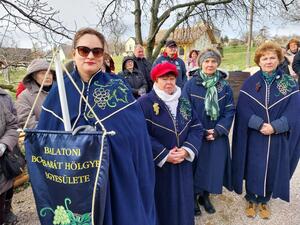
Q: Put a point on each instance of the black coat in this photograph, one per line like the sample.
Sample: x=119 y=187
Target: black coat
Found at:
x=296 y=65
x=135 y=79
x=284 y=66
x=144 y=66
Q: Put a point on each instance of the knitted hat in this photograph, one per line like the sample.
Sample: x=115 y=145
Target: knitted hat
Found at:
x=209 y=53
x=35 y=66
x=163 y=69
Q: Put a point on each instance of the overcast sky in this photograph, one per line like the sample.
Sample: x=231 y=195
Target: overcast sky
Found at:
x=83 y=13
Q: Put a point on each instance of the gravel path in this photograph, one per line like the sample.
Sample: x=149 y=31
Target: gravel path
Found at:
x=230 y=209
x=229 y=206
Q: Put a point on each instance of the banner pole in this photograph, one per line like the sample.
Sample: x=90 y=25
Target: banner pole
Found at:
x=62 y=93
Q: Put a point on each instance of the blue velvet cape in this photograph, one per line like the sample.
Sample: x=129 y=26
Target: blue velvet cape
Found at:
x=174 y=182
x=212 y=169
x=130 y=195
x=266 y=162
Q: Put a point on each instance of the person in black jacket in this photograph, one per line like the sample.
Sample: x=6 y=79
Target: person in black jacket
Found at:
x=143 y=65
x=284 y=65
x=133 y=76
x=296 y=65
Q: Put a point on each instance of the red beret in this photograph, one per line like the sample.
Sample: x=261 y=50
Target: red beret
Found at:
x=163 y=69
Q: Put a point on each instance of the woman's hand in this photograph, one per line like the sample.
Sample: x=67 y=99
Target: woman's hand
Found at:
x=177 y=155
x=267 y=129
x=210 y=135
x=184 y=152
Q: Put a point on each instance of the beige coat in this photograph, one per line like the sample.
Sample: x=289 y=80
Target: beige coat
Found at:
x=290 y=57
x=25 y=102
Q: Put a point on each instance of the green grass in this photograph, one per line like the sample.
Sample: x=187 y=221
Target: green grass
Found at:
x=16 y=75
x=118 y=63
x=235 y=58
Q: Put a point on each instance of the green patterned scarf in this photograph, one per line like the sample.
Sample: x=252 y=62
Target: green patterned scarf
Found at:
x=269 y=78
x=211 y=97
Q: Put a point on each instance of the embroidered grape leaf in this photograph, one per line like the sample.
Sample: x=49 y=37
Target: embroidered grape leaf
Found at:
x=85 y=219
x=185 y=108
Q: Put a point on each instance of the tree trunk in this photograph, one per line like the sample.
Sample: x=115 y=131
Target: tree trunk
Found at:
x=137 y=22
x=249 y=44
x=152 y=31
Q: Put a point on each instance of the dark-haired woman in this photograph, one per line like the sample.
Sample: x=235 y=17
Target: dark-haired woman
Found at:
x=130 y=194
x=192 y=63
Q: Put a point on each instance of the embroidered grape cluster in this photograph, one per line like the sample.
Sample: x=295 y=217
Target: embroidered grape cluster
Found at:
x=285 y=84
x=282 y=88
x=101 y=96
x=61 y=216
x=64 y=216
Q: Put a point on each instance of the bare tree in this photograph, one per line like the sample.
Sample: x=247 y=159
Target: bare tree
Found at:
x=158 y=14
x=115 y=30
x=32 y=17
x=291 y=11
x=286 y=3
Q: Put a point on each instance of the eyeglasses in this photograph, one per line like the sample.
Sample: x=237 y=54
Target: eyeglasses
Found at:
x=85 y=51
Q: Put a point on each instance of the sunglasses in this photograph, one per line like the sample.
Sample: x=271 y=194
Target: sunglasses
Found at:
x=85 y=51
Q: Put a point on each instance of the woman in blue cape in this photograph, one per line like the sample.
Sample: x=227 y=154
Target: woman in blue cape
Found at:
x=212 y=99
x=266 y=133
x=130 y=194
x=176 y=136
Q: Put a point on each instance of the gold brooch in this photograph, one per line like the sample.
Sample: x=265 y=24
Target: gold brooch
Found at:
x=156 y=108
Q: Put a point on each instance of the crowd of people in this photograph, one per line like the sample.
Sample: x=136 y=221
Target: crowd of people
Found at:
x=172 y=148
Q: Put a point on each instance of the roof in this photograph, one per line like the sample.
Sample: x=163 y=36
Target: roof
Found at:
x=131 y=38
x=188 y=35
